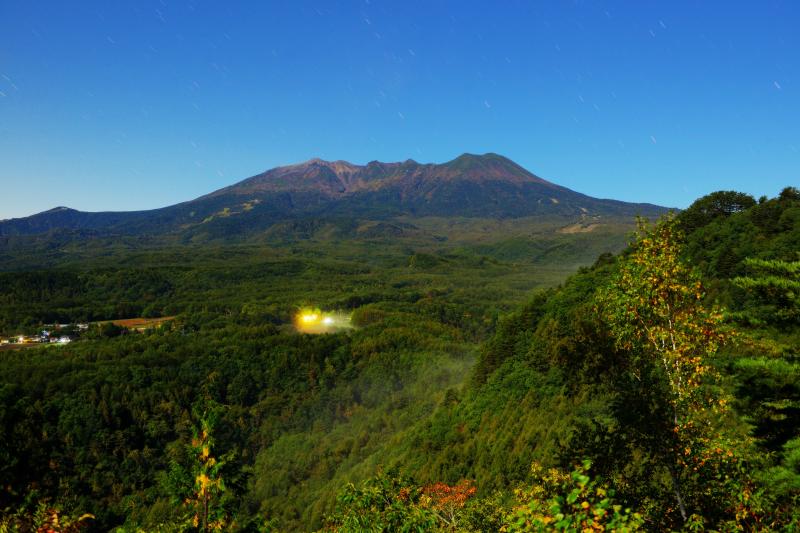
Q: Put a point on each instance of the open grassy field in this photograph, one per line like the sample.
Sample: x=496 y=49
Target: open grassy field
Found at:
x=141 y=323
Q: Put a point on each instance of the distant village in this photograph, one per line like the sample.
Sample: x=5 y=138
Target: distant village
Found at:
x=51 y=334
x=60 y=334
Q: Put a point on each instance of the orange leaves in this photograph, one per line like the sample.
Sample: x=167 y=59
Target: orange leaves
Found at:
x=444 y=496
x=446 y=501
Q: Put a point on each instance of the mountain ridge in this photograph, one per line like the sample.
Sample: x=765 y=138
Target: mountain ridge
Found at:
x=471 y=185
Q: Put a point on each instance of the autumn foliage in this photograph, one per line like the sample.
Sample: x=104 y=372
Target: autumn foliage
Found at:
x=560 y=501
x=447 y=500
x=45 y=518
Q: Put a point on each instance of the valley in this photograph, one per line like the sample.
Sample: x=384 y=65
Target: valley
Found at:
x=469 y=352
x=419 y=312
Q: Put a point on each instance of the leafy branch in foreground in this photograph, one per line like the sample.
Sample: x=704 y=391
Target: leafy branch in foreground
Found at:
x=46 y=518
x=558 y=501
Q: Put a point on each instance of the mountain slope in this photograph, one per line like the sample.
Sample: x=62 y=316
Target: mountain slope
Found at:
x=487 y=185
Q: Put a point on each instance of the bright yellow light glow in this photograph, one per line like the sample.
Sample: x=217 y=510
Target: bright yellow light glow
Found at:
x=315 y=321
x=309 y=318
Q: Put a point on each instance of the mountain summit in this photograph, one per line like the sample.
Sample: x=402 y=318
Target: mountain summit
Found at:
x=488 y=185
x=339 y=178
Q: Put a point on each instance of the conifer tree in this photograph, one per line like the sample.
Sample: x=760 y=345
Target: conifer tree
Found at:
x=776 y=285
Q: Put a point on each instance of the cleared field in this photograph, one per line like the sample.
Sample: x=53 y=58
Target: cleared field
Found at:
x=139 y=322
x=9 y=347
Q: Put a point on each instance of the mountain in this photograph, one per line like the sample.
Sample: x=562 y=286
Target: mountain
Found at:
x=478 y=186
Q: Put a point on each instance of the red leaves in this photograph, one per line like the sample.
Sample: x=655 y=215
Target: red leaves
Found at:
x=444 y=496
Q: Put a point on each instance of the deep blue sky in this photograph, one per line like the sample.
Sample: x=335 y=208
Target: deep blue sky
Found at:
x=140 y=104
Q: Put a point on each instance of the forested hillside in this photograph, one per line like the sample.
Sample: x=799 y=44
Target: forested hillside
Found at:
x=667 y=376
x=654 y=389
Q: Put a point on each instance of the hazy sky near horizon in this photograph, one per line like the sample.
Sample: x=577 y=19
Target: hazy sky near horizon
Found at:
x=136 y=105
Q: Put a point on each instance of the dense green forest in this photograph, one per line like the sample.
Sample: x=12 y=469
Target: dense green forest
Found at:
x=653 y=389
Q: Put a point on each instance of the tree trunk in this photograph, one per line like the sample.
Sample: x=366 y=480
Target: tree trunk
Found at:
x=676 y=484
x=205 y=514
x=676 y=487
